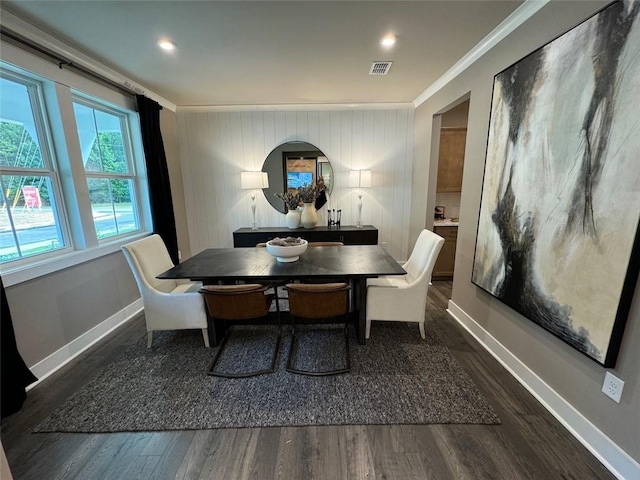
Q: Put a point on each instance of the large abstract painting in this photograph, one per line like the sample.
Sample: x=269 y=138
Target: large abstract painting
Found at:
x=558 y=233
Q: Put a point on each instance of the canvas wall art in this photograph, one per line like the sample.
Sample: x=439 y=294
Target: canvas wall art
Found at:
x=558 y=228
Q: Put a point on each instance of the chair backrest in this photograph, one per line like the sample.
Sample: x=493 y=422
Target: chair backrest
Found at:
x=236 y=302
x=423 y=257
x=325 y=244
x=318 y=300
x=148 y=258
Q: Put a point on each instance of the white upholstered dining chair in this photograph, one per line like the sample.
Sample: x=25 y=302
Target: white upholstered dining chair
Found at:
x=404 y=298
x=168 y=304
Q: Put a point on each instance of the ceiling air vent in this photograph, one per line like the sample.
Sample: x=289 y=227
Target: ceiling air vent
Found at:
x=380 y=68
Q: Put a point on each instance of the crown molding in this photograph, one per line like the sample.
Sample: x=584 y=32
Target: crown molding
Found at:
x=34 y=34
x=288 y=107
x=520 y=15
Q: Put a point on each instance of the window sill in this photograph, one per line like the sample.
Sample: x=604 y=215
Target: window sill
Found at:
x=24 y=273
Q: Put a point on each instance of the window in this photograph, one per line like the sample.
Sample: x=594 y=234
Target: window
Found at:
x=106 y=156
x=30 y=218
x=72 y=174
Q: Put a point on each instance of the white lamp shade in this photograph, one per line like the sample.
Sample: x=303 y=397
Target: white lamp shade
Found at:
x=254 y=180
x=365 y=179
x=360 y=178
x=354 y=178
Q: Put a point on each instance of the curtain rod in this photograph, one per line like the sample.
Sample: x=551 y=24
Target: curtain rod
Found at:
x=63 y=62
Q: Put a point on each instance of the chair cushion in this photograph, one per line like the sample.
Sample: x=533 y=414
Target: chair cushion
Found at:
x=318 y=300
x=236 y=302
x=316 y=287
x=389 y=282
x=243 y=288
x=423 y=255
x=187 y=287
x=152 y=259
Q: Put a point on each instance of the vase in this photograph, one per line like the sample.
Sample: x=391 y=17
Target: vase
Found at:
x=293 y=219
x=309 y=217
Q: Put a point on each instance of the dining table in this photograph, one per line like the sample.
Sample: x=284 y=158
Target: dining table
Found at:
x=352 y=264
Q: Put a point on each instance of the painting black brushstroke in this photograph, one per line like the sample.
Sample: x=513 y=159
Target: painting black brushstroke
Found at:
x=560 y=209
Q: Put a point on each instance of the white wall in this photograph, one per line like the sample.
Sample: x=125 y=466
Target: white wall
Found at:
x=216 y=145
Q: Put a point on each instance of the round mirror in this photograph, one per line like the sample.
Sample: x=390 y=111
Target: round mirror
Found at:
x=290 y=166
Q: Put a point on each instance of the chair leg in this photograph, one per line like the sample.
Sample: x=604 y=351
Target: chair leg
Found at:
x=294 y=348
x=215 y=373
x=422 y=330
x=149 y=338
x=367 y=330
x=205 y=334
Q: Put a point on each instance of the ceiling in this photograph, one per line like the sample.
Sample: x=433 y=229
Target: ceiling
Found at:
x=269 y=53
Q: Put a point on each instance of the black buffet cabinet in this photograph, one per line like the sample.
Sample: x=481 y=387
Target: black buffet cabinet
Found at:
x=349 y=235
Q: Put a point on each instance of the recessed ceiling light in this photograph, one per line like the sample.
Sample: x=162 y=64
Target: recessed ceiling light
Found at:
x=167 y=45
x=388 y=40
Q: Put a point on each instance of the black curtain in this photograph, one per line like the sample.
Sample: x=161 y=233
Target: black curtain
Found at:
x=14 y=373
x=164 y=222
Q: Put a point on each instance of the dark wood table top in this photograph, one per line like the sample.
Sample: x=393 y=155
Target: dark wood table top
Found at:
x=349 y=261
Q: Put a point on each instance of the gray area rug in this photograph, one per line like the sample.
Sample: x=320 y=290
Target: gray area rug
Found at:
x=396 y=378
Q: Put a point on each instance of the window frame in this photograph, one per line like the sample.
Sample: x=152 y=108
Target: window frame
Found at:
x=133 y=166
x=35 y=90
x=58 y=88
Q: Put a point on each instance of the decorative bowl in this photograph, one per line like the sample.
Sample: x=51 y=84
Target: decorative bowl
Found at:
x=287 y=253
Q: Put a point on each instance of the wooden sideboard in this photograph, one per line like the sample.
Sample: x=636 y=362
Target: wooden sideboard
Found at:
x=349 y=235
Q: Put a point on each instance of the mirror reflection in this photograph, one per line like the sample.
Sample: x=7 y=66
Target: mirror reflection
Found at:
x=292 y=165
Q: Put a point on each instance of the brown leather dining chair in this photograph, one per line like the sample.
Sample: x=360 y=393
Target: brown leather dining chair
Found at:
x=320 y=303
x=236 y=303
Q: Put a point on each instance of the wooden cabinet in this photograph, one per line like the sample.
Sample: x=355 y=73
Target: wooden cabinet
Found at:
x=451 y=159
x=443 y=269
x=349 y=235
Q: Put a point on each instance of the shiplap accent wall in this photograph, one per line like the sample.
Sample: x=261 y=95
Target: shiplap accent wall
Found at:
x=216 y=145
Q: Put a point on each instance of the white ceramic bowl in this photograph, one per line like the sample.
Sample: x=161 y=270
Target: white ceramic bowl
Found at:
x=289 y=253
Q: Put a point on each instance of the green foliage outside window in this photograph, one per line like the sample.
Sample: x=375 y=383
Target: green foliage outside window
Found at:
x=18 y=149
x=107 y=155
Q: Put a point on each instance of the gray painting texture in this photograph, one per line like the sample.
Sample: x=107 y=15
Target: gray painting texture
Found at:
x=561 y=197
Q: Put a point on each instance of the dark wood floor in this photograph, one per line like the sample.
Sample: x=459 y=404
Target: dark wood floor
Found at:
x=529 y=444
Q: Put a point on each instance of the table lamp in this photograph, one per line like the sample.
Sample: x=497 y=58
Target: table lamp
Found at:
x=254 y=181
x=360 y=179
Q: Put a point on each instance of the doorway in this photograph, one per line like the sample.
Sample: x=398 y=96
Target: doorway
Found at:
x=453 y=137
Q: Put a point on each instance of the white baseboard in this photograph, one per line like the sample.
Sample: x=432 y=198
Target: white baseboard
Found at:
x=64 y=355
x=616 y=460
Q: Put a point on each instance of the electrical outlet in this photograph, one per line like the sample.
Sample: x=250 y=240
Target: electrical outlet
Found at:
x=612 y=386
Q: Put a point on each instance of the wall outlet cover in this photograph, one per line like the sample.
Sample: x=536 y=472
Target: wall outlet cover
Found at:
x=612 y=386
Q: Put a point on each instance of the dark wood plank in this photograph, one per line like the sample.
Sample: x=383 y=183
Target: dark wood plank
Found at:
x=216 y=449
x=173 y=456
x=292 y=447
x=327 y=453
x=264 y=459
x=199 y=451
x=359 y=452
x=529 y=444
x=112 y=458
